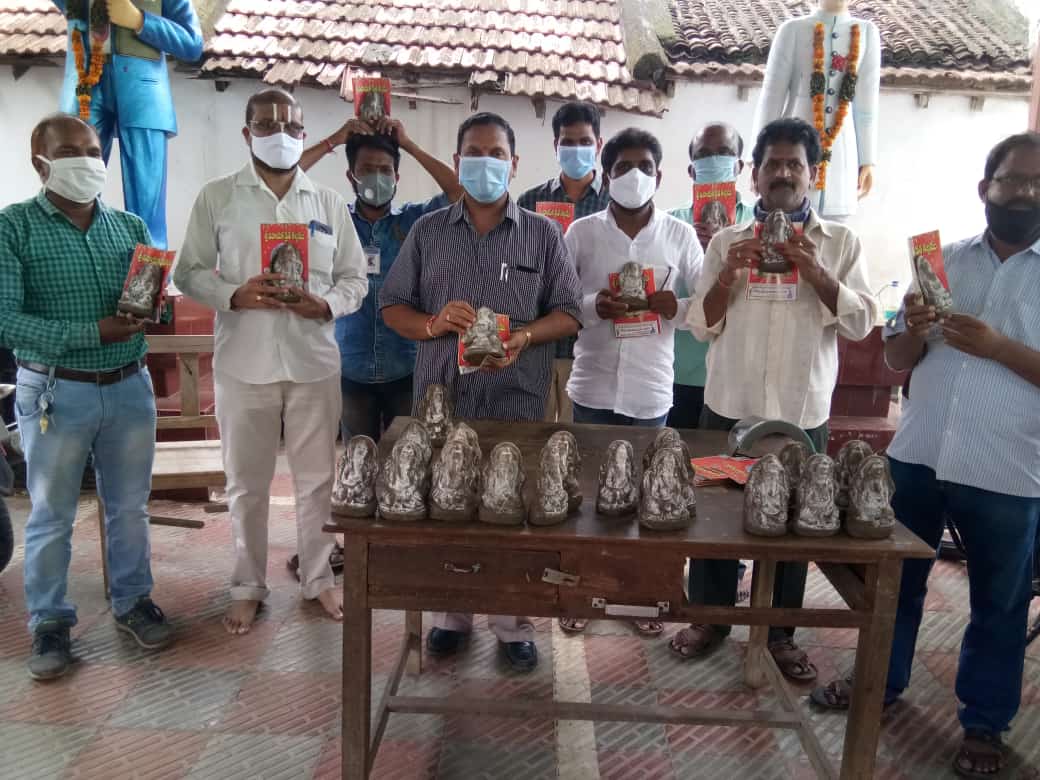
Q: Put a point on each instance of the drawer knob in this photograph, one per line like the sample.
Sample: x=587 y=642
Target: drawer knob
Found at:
x=451 y=567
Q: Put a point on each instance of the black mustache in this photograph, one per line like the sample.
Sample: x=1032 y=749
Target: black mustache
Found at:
x=1022 y=205
x=776 y=184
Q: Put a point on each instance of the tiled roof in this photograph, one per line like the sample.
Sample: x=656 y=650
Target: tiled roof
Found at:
x=540 y=48
x=939 y=43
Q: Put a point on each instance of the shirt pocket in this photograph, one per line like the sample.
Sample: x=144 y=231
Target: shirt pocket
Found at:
x=321 y=255
x=522 y=284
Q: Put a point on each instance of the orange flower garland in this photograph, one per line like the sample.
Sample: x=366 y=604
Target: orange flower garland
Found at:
x=86 y=79
x=845 y=96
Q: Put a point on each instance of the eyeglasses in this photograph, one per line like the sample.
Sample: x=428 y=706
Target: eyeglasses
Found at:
x=1016 y=182
x=265 y=127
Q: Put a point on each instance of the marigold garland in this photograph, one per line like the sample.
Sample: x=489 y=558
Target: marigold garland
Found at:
x=86 y=79
x=817 y=87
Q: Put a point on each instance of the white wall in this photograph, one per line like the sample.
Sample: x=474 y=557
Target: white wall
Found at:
x=930 y=159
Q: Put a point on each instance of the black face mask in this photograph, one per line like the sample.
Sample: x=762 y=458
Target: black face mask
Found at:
x=1013 y=226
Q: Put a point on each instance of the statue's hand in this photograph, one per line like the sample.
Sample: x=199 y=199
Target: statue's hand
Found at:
x=866 y=180
x=125 y=14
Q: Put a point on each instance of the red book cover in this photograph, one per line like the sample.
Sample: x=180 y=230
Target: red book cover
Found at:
x=926 y=260
x=716 y=469
x=639 y=323
x=563 y=213
x=283 y=249
x=465 y=367
x=715 y=205
x=371 y=98
x=145 y=282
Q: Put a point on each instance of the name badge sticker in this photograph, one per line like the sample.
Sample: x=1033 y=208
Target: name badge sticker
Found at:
x=372 y=259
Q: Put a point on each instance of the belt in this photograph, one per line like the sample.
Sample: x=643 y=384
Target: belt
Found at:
x=94 y=377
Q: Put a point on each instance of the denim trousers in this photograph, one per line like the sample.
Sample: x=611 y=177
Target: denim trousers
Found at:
x=589 y=416
x=369 y=409
x=116 y=423
x=999 y=534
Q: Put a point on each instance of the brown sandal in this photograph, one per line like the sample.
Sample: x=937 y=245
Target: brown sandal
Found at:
x=978 y=747
x=650 y=628
x=695 y=641
x=792 y=660
x=573 y=625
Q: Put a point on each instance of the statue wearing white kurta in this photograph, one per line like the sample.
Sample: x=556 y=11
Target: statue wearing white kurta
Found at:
x=785 y=93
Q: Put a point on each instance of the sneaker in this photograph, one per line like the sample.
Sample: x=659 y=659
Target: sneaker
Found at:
x=51 y=651
x=147 y=624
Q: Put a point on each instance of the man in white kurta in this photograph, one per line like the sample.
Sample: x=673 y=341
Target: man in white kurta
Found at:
x=786 y=93
x=276 y=365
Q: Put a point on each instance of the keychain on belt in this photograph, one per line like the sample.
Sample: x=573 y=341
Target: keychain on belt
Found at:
x=45 y=402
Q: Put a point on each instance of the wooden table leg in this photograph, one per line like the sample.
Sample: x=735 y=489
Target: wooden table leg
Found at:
x=357 y=659
x=413 y=627
x=762 y=578
x=872 y=654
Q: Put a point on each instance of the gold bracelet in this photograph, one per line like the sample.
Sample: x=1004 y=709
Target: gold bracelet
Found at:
x=529 y=338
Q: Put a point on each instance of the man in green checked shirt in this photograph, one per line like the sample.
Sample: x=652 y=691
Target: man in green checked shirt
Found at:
x=714 y=157
x=82 y=387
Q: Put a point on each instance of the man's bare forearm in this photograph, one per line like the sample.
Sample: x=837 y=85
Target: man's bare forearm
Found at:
x=716 y=302
x=552 y=327
x=904 y=351
x=406 y=322
x=1021 y=359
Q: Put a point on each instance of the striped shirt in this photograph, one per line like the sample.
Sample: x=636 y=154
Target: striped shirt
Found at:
x=520 y=268
x=971 y=420
x=57 y=281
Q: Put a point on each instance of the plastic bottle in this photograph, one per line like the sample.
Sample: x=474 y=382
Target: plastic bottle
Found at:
x=891 y=298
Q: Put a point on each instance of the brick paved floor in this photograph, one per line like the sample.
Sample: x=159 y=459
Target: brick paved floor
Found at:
x=266 y=705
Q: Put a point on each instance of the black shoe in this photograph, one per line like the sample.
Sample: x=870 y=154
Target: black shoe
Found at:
x=51 y=651
x=147 y=624
x=441 y=641
x=522 y=656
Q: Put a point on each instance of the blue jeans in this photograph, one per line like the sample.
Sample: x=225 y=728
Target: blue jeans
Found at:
x=583 y=414
x=999 y=534
x=117 y=424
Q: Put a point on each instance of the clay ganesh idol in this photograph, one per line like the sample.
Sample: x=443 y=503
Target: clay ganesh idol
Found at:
x=502 y=498
x=481 y=339
x=354 y=492
x=403 y=483
x=663 y=506
x=618 y=492
x=766 y=498
x=558 y=491
x=455 y=490
x=850 y=458
x=817 y=509
x=436 y=414
x=870 y=508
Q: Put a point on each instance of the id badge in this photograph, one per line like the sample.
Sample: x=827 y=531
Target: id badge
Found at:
x=372 y=259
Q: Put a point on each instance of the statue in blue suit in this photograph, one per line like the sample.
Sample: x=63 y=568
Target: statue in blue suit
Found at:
x=132 y=98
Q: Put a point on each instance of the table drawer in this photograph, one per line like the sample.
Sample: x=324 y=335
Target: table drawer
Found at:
x=618 y=577
x=396 y=568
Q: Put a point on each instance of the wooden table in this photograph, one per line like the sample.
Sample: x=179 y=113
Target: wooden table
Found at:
x=504 y=570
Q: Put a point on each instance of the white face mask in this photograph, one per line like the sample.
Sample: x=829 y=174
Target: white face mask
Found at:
x=279 y=150
x=633 y=189
x=79 y=179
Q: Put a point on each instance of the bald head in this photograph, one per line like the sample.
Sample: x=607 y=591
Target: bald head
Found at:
x=59 y=130
x=716 y=138
x=272 y=96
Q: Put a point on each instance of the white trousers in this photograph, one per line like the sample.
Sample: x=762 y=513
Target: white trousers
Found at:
x=251 y=421
x=506 y=627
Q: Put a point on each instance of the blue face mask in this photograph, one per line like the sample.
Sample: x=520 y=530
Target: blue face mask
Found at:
x=576 y=161
x=484 y=178
x=715 y=169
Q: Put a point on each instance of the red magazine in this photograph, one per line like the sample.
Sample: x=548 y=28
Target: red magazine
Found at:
x=563 y=213
x=766 y=286
x=371 y=98
x=715 y=205
x=640 y=323
x=283 y=249
x=465 y=367
x=145 y=282
x=926 y=260
x=717 y=469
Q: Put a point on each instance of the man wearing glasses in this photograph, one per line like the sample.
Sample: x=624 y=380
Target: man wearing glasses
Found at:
x=275 y=359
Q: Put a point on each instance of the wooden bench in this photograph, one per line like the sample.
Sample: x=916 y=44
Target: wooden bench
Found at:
x=180 y=464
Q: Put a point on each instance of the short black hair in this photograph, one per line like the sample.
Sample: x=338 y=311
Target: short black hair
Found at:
x=379 y=141
x=630 y=138
x=54 y=120
x=729 y=128
x=792 y=131
x=483 y=119
x=267 y=93
x=575 y=113
x=999 y=152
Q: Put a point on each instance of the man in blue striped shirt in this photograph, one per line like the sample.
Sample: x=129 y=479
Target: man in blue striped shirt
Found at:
x=968 y=447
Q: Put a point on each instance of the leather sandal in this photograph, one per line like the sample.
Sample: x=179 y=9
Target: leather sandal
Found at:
x=979 y=746
x=695 y=641
x=792 y=660
x=573 y=625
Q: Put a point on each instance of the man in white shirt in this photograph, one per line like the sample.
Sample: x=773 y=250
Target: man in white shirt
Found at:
x=275 y=363
x=623 y=373
x=774 y=345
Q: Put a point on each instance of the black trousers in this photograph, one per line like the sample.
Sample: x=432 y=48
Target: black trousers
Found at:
x=714 y=583
x=687 y=402
x=368 y=410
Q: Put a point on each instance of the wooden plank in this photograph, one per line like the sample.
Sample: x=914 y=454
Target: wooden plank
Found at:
x=575 y=710
x=849 y=586
x=181 y=422
x=175 y=522
x=189 y=374
x=413 y=626
x=180 y=344
x=871 y=673
x=383 y=713
x=357 y=660
x=1034 y=93
x=763 y=577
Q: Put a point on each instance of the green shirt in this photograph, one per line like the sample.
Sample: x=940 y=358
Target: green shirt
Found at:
x=691 y=354
x=57 y=281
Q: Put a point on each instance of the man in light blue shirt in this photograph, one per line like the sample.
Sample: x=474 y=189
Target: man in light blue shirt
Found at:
x=968 y=447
